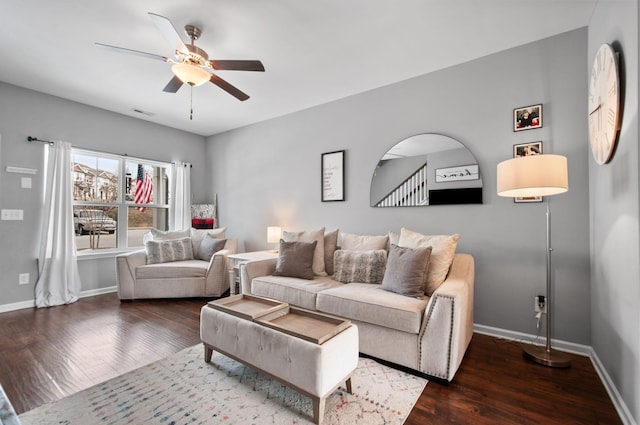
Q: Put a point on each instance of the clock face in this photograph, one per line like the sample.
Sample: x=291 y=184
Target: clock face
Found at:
x=604 y=104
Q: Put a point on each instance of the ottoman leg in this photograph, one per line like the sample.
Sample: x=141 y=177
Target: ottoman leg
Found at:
x=349 y=389
x=318 y=409
x=208 y=351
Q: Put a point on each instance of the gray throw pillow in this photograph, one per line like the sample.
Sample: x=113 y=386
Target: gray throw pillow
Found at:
x=295 y=259
x=359 y=266
x=406 y=270
x=171 y=250
x=209 y=246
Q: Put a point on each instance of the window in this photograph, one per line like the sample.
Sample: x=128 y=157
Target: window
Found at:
x=116 y=199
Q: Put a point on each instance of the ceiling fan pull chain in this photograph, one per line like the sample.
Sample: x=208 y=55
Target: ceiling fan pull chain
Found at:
x=191 y=113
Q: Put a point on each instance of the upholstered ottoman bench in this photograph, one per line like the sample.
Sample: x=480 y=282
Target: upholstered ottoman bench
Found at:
x=309 y=352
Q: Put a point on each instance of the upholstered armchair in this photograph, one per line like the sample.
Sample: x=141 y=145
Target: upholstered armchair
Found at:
x=156 y=274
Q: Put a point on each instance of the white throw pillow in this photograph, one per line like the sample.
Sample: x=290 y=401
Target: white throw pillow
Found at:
x=351 y=242
x=444 y=249
x=164 y=235
x=310 y=236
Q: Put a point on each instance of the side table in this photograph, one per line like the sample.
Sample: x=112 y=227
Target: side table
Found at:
x=237 y=260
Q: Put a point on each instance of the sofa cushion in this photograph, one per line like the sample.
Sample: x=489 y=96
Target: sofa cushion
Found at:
x=209 y=246
x=173 y=270
x=295 y=259
x=406 y=272
x=198 y=234
x=298 y=292
x=359 y=266
x=444 y=249
x=372 y=304
x=362 y=242
x=169 y=250
x=330 y=246
x=310 y=236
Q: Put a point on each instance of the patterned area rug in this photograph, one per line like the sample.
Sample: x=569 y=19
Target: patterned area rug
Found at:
x=183 y=389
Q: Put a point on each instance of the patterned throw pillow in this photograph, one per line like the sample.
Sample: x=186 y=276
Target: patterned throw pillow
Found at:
x=166 y=251
x=359 y=266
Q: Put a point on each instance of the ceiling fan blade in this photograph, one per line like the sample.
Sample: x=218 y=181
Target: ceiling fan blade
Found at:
x=228 y=87
x=169 y=32
x=173 y=85
x=132 y=52
x=237 y=65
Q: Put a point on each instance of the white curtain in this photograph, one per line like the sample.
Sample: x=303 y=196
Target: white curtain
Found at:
x=59 y=279
x=180 y=207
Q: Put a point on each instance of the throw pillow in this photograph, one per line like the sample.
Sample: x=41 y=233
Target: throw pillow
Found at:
x=198 y=234
x=359 y=266
x=209 y=246
x=310 y=236
x=170 y=250
x=330 y=246
x=164 y=235
x=353 y=242
x=444 y=249
x=406 y=270
x=295 y=259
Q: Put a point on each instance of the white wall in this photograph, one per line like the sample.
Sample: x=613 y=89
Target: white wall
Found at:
x=28 y=113
x=614 y=214
x=269 y=174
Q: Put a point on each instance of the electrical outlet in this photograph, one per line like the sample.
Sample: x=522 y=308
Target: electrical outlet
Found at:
x=23 y=279
x=540 y=304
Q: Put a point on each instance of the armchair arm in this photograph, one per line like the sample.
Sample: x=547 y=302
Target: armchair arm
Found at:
x=217 y=278
x=126 y=265
x=447 y=327
x=253 y=269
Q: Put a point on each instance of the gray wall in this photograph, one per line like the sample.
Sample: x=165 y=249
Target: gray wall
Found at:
x=615 y=234
x=269 y=174
x=28 y=113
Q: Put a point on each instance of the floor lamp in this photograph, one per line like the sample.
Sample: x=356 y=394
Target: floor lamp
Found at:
x=537 y=175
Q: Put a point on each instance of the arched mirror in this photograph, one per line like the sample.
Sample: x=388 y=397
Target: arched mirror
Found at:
x=426 y=169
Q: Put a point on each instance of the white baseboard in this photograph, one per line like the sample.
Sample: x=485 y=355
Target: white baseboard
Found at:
x=4 y=308
x=570 y=347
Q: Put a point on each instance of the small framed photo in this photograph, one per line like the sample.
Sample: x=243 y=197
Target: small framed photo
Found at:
x=332 y=179
x=527 y=118
x=526 y=149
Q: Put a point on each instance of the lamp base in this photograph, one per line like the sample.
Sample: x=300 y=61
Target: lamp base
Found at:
x=549 y=358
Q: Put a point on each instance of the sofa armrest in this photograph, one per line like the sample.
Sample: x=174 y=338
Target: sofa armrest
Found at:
x=447 y=327
x=126 y=265
x=253 y=269
x=217 y=278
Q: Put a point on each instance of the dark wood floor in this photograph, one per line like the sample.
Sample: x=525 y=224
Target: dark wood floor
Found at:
x=47 y=354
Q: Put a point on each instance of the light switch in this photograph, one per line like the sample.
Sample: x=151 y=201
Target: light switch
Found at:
x=25 y=182
x=12 y=215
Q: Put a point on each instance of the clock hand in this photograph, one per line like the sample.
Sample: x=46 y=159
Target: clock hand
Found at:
x=595 y=109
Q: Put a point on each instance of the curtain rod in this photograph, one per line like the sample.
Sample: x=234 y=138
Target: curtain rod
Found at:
x=51 y=142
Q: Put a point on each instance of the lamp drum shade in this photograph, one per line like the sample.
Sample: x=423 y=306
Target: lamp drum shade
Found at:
x=274 y=233
x=534 y=175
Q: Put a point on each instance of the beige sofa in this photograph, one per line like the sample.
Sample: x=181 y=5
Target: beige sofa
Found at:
x=175 y=279
x=429 y=335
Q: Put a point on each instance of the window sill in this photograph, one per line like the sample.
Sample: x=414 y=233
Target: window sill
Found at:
x=89 y=254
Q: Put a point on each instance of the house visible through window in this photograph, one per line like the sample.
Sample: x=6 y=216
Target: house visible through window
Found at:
x=116 y=199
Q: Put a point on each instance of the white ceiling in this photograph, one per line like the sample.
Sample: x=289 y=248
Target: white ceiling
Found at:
x=313 y=52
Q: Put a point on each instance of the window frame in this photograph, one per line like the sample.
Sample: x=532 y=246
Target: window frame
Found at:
x=121 y=203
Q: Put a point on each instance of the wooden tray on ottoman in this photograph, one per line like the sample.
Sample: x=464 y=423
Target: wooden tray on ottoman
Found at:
x=304 y=324
x=247 y=306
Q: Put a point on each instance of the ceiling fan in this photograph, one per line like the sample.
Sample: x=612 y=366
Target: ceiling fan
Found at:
x=191 y=64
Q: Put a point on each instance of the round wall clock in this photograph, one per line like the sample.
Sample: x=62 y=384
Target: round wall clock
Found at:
x=604 y=104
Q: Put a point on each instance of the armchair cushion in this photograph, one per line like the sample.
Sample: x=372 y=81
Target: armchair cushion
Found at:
x=173 y=270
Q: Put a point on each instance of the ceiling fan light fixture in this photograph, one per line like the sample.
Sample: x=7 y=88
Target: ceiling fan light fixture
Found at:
x=190 y=74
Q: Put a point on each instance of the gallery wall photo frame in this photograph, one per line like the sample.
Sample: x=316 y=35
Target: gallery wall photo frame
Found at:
x=332 y=178
x=527 y=149
x=527 y=117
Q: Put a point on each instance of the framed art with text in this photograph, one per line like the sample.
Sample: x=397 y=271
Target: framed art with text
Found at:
x=526 y=149
x=332 y=179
